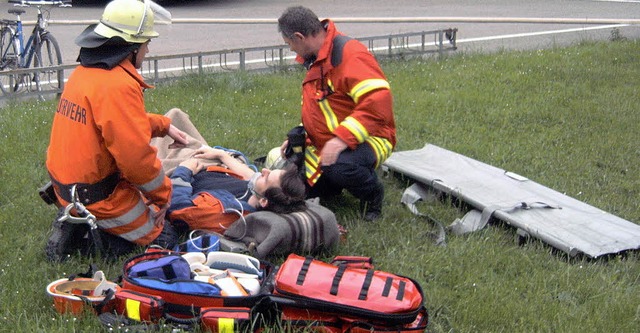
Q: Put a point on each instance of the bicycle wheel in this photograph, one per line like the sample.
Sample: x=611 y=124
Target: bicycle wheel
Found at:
x=9 y=83
x=47 y=54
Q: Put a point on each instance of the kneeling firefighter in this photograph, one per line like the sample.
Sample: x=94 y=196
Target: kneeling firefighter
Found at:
x=99 y=149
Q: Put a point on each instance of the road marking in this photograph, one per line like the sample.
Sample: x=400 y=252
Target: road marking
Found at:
x=631 y=1
x=539 y=33
x=458 y=41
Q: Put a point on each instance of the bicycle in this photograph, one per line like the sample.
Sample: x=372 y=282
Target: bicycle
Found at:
x=40 y=51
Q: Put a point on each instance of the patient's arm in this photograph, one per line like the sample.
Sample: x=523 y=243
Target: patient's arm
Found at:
x=233 y=164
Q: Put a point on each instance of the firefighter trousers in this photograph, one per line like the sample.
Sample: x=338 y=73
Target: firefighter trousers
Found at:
x=354 y=171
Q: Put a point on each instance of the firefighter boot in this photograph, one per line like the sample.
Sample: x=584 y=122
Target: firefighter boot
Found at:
x=66 y=238
x=373 y=207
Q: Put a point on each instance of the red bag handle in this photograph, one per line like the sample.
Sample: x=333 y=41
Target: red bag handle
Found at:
x=353 y=261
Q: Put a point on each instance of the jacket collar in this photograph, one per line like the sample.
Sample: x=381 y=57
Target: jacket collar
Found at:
x=327 y=45
x=128 y=67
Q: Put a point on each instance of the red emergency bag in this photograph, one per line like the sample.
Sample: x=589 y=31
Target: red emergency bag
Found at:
x=346 y=298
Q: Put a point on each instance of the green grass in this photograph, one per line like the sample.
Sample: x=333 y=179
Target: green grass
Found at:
x=566 y=118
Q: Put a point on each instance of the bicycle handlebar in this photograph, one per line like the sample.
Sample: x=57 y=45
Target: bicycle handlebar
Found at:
x=27 y=3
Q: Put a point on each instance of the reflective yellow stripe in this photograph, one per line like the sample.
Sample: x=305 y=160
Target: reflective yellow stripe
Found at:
x=329 y=116
x=382 y=148
x=367 y=86
x=226 y=325
x=311 y=161
x=311 y=165
x=133 y=309
x=356 y=129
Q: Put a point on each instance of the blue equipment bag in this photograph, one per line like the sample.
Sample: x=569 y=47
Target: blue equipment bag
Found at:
x=183 y=295
x=170 y=267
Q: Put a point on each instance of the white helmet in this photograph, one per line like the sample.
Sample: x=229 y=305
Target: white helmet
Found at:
x=131 y=20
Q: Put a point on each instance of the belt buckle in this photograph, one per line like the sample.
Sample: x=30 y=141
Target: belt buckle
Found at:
x=84 y=195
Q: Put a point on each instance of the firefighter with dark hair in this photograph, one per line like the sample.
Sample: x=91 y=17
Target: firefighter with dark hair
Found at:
x=347 y=110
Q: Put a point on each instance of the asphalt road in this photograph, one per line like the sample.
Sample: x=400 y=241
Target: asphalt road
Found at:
x=472 y=36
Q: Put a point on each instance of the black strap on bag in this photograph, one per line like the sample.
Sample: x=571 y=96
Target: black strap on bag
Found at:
x=364 y=290
x=107 y=298
x=303 y=270
x=116 y=322
x=387 y=286
x=187 y=322
x=336 y=279
x=366 y=284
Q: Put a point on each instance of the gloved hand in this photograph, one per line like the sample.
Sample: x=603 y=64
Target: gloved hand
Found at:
x=295 y=149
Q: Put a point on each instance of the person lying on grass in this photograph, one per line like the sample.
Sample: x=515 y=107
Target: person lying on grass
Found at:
x=212 y=198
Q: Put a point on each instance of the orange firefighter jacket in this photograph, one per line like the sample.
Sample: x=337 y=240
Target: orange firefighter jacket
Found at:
x=352 y=101
x=100 y=128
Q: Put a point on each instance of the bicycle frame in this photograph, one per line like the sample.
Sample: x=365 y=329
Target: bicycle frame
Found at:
x=39 y=50
x=27 y=50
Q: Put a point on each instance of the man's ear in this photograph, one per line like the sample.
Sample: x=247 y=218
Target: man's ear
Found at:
x=264 y=202
x=298 y=35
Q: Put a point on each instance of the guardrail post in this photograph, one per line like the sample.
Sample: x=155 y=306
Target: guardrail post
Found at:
x=156 y=71
x=440 y=46
x=243 y=65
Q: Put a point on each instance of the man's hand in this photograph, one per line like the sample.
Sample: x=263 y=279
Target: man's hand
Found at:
x=193 y=164
x=179 y=137
x=331 y=150
x=209 y=153
x=160 y=215
x=283 y=147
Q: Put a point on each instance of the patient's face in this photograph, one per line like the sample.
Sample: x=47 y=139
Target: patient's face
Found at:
x=268 y=179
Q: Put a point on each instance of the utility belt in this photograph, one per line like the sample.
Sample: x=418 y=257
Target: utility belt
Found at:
x=88 y=193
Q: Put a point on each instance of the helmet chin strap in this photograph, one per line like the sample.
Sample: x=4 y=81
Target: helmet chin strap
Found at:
x=134 y=55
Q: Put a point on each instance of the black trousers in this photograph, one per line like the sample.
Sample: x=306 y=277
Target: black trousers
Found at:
x=354 y=171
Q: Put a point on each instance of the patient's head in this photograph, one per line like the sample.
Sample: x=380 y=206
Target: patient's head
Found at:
x=280 y=191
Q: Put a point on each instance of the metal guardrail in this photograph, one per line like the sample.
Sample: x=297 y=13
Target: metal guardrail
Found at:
x=158 y=69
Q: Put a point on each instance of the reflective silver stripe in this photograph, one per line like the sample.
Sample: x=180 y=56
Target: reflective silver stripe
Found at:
x=125 y=218
x=180 y=182
x=130 y=216
x=154 y=184
x=119 y=27
x=140 y=232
